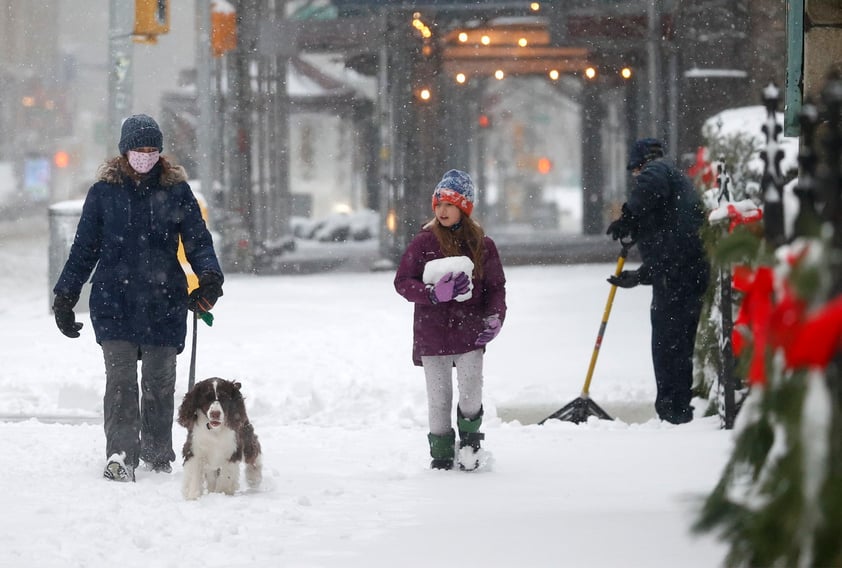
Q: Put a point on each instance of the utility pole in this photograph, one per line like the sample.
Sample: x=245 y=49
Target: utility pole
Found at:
x=280 y=200
x=653 y=67
x=592 y=177
x=205 y=146
x=241 y=97
x=120 y=68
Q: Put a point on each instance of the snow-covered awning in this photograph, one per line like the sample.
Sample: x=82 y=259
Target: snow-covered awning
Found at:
x=697 y=73
x=319 y=74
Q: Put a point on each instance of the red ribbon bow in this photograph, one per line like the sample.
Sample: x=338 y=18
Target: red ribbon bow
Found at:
x=818 y=338
x=755 y=314
x=807 y=340
x=737 y=217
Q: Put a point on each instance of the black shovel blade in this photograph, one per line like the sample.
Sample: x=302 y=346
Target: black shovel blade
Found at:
x=578 y=411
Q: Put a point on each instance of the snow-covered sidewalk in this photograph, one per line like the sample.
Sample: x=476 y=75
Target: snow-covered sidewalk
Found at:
x=341 y=412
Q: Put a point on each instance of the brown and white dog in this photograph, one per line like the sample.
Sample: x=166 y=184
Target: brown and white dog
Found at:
x=219 y=437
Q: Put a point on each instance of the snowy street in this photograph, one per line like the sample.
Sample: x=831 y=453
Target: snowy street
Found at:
x=325 y=364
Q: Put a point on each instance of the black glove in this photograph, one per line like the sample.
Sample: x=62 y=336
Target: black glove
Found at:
x=65 y=318
x=203 y=298
x=626 y=279
x=622 y=227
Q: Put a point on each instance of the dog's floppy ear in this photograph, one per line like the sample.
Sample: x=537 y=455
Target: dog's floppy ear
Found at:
x=237 y=394
x=187 y=410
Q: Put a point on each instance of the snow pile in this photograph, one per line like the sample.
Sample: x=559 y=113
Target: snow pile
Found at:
x=748 y=121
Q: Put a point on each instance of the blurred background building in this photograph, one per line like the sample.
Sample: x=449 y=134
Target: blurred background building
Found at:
x=537 y=145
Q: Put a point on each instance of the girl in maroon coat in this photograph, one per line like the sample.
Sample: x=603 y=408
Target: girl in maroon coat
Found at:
x=457 y=312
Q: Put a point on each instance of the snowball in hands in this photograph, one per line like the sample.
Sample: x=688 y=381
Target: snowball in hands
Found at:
x=449 y=286
x=435 y=269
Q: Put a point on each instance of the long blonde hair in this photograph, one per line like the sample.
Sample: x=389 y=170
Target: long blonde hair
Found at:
x=468 y=234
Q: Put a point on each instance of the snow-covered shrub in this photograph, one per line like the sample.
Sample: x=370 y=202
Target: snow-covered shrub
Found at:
x=338 y=227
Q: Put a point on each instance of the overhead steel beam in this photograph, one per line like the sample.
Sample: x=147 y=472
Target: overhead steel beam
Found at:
x=512 y=52
x=535 y=33
x=513 y=60
x=344 y=35
x=534 y=66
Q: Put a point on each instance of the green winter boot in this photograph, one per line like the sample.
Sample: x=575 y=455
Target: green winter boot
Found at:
x=442 y=449
x=470 y=439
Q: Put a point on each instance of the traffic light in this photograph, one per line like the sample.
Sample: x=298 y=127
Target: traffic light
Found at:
x=223 y=29
x=484 y=121
x=151 y=19
x=61 y=159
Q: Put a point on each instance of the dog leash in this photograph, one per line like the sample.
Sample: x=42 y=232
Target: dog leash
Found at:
x=192 y=377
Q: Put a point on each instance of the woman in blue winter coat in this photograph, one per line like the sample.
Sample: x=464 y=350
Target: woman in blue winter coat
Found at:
x=129 y=231
x=459 y=307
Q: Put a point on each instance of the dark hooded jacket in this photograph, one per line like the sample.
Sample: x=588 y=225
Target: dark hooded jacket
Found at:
x=449 y=328
x=667 y=214
x=130 y=232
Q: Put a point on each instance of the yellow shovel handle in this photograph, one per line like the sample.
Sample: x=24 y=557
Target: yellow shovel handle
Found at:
x=621 y=261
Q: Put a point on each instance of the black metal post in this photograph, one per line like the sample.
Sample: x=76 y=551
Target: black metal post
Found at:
x=832 y=174
x=831 y=194
x=771 y=184
x=807 y=221
x=726 y=369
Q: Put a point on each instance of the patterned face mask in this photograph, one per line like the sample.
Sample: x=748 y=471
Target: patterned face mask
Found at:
x=142 y=162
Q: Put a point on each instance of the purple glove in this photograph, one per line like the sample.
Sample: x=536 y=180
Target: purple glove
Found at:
x=492 y=328
x=449 y=286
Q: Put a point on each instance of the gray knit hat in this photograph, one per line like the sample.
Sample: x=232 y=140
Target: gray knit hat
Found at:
x=140 y=131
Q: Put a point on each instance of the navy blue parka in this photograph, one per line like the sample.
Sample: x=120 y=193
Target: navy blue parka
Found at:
x=668 y=213
x=129 y=231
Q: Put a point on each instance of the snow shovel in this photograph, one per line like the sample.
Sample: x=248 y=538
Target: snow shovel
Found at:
x=580 y=409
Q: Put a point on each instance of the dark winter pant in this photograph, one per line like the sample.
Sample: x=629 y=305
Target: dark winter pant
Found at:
x=675 y=311
x=438 y=371
x=140 y=426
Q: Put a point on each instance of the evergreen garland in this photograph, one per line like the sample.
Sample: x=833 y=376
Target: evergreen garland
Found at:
x=734 y=153
x=779 y=500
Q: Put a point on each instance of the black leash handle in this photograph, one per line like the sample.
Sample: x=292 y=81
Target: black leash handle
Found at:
x=626 y=246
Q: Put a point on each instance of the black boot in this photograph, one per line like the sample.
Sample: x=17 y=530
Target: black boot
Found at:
x=470 y=440
x=442 y=449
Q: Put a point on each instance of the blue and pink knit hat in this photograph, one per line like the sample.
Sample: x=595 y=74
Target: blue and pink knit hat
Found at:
x=456 y=187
